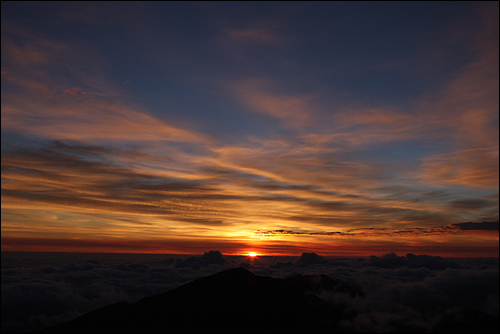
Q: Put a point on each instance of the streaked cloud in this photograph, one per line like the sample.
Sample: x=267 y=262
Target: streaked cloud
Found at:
x=448 y=229
x=258 y=95
x=238 y=131
x=254 y=34
x=89 y=112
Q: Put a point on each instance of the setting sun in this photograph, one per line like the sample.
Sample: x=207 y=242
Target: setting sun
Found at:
x=326 y=166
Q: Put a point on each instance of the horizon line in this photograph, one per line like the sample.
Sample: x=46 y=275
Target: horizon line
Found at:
x=261 y=255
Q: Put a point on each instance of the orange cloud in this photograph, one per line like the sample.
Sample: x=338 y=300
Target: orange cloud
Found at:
x=256 y=35
x=105 y=122
x=467 y=111
x=450 y=246
x=182 y=182
x=102 y=115
x=475 y=168
x=75 y=91
x=38 y=51
x=70 y=92
x=165 y=246
x=259 y=96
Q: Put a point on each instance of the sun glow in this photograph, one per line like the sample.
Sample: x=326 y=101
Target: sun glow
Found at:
x=252 y=254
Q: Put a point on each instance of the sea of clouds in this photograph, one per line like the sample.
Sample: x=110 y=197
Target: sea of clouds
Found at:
x=387 y=293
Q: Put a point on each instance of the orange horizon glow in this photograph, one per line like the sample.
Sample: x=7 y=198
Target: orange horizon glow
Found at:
x=454 y=245
x=489 y=253
x=249 y=162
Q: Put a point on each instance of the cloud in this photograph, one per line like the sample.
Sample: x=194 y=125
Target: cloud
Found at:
x=208 y=258
x=155 y=197
x=411 y=261
x=260 y=96
x=87 y=177
x=328 y=163
x=475 y=168
x=95 y=243
x=51 y=106
x=467 y=110
x=253 y=35
x=71 y=120
x=77 y=190
x=391 y=292
x=352 y=242
x=35 y=52
x=448 y=229
x=472 y=204
x=310 y=258
x=488 y=226
x=44 y=293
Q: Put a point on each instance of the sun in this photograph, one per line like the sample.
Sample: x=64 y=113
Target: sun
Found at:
x=252 y=254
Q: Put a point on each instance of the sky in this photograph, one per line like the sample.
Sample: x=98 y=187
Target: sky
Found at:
x=343 y=128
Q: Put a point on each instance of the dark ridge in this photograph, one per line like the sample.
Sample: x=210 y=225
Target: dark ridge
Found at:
x=234 y=300
x=237 y=301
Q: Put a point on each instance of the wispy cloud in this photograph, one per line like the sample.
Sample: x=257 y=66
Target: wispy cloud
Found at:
x=260 y=97
x=309 y=149
x=371 y=232
x=40 y=104
x=476 y=168
x=253 y=35
x=466 y=108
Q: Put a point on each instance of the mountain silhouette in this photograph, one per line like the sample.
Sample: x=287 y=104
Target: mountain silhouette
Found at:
x=234 y=300
x=237 y=301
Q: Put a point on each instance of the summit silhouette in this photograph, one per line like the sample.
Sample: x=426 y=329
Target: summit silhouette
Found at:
x=231 y=301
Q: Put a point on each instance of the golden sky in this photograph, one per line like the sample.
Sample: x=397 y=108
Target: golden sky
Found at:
x=345 y=129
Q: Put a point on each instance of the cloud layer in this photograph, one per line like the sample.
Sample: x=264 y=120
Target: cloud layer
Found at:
x=392 y=292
